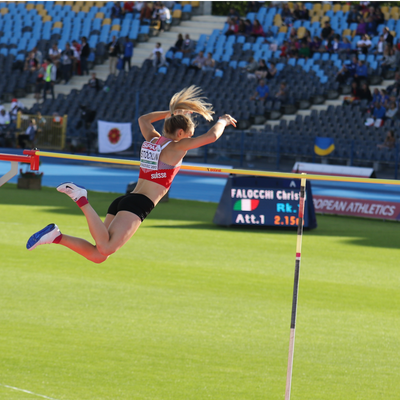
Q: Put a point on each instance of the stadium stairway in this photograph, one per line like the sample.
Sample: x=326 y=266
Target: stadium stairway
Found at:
x=197 y=25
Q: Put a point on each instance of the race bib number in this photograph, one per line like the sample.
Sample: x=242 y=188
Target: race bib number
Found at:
x=149 y=155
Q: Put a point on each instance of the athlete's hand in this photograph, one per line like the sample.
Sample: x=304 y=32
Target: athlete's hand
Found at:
x=229 y=120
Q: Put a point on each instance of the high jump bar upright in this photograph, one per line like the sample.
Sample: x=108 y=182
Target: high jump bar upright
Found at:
x=29 y=157
x=32 y=157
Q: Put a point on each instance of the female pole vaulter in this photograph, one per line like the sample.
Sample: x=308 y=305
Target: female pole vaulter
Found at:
x=160 y=160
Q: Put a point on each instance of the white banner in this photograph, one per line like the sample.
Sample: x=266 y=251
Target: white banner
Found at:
x=114 y=136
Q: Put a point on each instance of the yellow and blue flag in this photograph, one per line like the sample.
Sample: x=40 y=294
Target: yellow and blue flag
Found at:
x=323 y=146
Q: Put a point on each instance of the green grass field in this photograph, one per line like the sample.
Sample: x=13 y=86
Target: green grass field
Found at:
x=189 y=310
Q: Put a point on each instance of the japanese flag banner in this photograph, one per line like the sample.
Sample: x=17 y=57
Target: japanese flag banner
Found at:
x=114 y=136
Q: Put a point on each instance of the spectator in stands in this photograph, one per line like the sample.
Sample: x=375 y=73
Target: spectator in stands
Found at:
x=380 y=46
x=361 y=73
x=38 y=55
x=4 y=118
x=344 y=46
x=272 y=71
x=85 y=53
x=198 y=62
x=94 y=82
x=304 y=51
x=327 y=31
x=262 y=70
x=39 y=84
x=116 y=10
x=379 y=17
x=31 y=63
x=284 y=49
x=361 y=27
x=249 y=27
x=262 y=91
x=315 y=45
x=188 y=45
x=156 y=49
x=55 y=54
x=388 y=60
x=388 y=37
x=304 y=14
x=233 y=27
x=241 y=27
x=128 y=7
x=347 y=71
x=296 y=12
x=76 y=61
x=158 y=60
x=113 y=52
x=128 y=53
x=5 y=122
x=364 y=4
x=178 y=44
x=233 y=14
x=137 y=7
x=49 y=78
x=209 y=63
x=67 y=56
x=282 y=93
x=145 y=13
x=394 y=89
x=30 y=134
x=392 y=111
x=353 y=16
x=257 y=30
x=286 y=14
x=384 y=98
x=251 y=68
x=164 y=15
x=364 y=44
x=371 y=27
x=293 y=51
x=15 y=107
x=390 y=141
x=376 y=98
x=365 y=92
x=379 y=111
x=293 y=35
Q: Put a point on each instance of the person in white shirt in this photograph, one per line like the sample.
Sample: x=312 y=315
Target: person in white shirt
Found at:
x=164 y=15
x=156 y=49
x=364 y=44
x=138 y=6
x=380 y=46
x=55 y=54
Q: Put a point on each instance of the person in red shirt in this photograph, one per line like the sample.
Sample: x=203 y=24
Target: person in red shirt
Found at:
x=128 y=7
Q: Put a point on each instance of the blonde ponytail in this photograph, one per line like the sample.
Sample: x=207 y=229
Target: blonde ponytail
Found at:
x=190 y=99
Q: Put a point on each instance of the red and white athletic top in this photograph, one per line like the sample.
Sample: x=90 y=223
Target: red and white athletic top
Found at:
x=154 y=170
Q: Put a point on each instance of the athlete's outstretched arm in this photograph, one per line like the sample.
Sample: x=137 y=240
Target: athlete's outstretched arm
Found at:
x=210 y=137
x=146 y=121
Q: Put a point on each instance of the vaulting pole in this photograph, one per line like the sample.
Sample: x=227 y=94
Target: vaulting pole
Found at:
x=295 y=287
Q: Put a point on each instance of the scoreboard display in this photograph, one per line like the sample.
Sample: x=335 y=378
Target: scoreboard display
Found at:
x=260 y=201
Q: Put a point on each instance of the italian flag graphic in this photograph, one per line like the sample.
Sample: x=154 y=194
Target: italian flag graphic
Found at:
x=246 y=205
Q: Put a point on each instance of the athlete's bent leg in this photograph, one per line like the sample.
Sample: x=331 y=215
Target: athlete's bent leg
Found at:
x=83 y=247
x=121 y=229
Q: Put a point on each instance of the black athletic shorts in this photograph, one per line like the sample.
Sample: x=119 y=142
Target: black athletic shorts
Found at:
x=135 y=203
